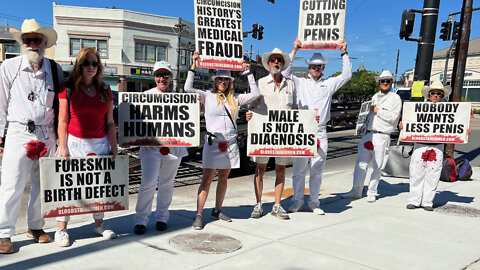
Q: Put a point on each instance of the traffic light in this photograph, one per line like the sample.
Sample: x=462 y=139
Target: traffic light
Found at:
x=456 y=31
x=446 y=31
x=254 y=31
x=260 y=32
x=406 y=26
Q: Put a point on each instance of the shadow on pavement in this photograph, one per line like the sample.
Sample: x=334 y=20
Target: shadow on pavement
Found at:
x=446 y=196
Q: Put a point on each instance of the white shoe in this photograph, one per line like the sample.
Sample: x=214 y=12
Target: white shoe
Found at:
x=296 y=206
x=105 y=232
x=61 y=238
x=353 y=194
x=315 y=208
x=371 y=198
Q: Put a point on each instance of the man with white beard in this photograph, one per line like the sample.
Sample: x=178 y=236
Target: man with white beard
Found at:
x=276 y=93
x=27 y=91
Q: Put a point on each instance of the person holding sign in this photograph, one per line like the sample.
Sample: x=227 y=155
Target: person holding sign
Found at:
x=220 y=150
x=28 y=85
x=427 y=158
x=159 y=167
x=315 y=93
x=277 y=92
x=85 y=125
x=382 y=120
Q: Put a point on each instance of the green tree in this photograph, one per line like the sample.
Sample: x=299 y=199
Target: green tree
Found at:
x=359 y=87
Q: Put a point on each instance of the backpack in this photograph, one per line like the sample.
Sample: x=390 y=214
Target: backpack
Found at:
x=449 y=170
x=464 y=170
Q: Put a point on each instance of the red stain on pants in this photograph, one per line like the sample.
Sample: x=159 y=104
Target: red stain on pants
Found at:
x=35 y=149
x=164 y=151
x=368 y=145
x=429 y=155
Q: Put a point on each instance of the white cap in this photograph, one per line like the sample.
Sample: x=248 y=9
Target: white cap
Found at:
x=162 y=65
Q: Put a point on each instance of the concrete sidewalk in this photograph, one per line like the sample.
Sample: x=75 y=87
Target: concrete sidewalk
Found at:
x=352 y=234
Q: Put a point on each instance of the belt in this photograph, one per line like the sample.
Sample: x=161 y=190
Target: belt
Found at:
x=379 y=132
x=30 y=125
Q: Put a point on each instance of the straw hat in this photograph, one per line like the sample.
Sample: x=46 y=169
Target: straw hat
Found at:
x=385 y=75
x=286 y=59
x=447 y=90
x=31 y=26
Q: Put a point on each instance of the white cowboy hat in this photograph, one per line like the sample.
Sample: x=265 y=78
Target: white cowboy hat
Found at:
x=316 y=59
x=286 y=59
x=162 y=65
x=31 y=26
x=223 y=73
x=385 y=75
x=447 y=90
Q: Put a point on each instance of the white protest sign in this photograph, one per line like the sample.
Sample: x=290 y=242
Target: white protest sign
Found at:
x=362 y=119
x=440 y=122
x=321 y=23
x=218 y=34
x=167 y=119
x=283 y=133
x=82 y=185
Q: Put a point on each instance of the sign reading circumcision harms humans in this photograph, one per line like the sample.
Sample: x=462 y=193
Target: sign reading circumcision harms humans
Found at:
x=166 y=119
x=218 y=34
x=83 y=185
x=440 y=122
x=321 y=23
x=283 y=133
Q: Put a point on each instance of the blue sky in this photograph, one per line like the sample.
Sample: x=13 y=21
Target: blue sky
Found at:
x=371 y=26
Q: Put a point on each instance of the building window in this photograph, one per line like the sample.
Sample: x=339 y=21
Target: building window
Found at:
x=12 y=51
x=76 y=44
x=151 y=53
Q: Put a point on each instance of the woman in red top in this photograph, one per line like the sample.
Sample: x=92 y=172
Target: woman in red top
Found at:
x=83 y=131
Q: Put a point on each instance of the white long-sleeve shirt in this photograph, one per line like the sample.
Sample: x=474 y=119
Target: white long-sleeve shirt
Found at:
x=17 y=81
x=273 y=97
x=317 y=95
x=216 y=118
x=386 y=119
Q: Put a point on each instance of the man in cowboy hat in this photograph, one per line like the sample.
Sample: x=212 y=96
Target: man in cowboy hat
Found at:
x=382 y=120
x=315 y=93
x=276 y=93
x=27 y=93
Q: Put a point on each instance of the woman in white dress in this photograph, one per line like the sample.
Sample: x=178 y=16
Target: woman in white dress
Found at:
x=220 y=150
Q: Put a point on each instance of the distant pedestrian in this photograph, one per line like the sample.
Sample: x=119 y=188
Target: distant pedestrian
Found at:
x=159 y=166
x=220 y=150
x=382 y=120
x=315 y=93
x=27 y=93
x=85 y=125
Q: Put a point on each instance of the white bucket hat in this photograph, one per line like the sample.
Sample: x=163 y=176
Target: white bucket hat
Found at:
x=437 y=85
x=316 y=59
x=223 y=73
x=385 y=75
x=162 y=65
x=31 y=26
x=286 y=59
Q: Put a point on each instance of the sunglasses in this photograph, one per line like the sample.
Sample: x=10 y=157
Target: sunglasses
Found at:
x=90 y=64
x=432 y=93
x=162 y=75
x=36 y=40
x=223 y=79
x=316 y=66
x=273 y=59
x=385 y=81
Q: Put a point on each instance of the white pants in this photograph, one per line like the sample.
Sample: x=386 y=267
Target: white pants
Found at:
x=16 y=169
x=425 y=169
x=317 y=164
x=377 y=156
x=78 y=147
x=155 y=172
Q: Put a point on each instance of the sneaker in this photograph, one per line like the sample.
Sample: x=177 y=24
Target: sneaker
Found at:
x=139 y=229
x=6 y=246
x=197 y=222
x=371 y=198
x=161 y=226
x=353 y=194
x=279 y=212
x=427 y=208
x=315 y=208
x=296 y=206
x=105 y=232
x=257 y=211
x=39 y=236
x=221 y=216
x=411 y=206
x=61 y=238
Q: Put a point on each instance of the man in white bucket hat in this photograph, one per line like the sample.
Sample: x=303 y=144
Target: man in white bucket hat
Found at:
x=382 y=120
x=276 y=93
x=28 y=87
x=315 y=93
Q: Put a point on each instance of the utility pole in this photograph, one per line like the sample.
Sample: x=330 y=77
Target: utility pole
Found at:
x=460 y=62
x=180 y=27
x=396 y=67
